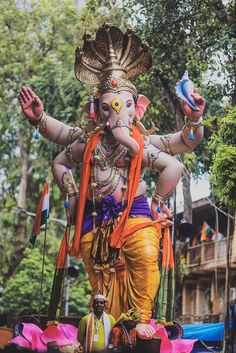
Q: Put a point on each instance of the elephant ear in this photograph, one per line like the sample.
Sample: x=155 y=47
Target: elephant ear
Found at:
x=141 y=106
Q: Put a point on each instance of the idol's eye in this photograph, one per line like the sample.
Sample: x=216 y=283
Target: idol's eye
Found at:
x=105 y=107
x=128 y=103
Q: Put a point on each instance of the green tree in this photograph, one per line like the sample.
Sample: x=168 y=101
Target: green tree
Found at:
x=38 y=40
x=179 y=39
x=80 y=293
x=223 y=169
x=22 y=292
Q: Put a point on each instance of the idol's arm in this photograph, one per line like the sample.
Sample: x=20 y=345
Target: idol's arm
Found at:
x=71 y=157
x=170 y=171
x=191 y=134
x=50 y=128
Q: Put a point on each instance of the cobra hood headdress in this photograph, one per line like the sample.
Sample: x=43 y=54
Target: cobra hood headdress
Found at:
x=112 y=59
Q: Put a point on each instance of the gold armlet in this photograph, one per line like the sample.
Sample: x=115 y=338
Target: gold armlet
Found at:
x=152 y=157
x=68 y=185
x=71 y=133
x=166 y=142
x=69 y=155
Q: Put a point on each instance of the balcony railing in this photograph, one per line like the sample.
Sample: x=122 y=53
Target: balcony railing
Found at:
x=208 y=252
x=199 y=319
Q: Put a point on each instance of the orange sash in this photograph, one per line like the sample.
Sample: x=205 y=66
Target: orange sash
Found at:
x=117 y=238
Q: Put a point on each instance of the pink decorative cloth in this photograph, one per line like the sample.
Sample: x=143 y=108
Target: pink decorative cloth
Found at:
x=34 y=338
x=171 y=346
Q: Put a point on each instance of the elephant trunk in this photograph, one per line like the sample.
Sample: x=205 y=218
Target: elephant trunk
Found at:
x=121 y=134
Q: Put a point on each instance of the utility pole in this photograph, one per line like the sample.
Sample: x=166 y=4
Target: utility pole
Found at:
x=227 y=288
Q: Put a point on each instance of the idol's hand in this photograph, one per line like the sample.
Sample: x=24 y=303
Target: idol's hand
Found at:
x=200 y=102
x=161 y=217
x=71 y=210
x=31 y=104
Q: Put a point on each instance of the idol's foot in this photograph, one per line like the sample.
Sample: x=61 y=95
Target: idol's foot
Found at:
x=145 y=331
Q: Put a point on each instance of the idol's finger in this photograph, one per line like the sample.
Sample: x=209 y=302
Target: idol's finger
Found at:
x=36 y=99
x=23 y=97
x=26 y=93
x=20 y=101
x=32 y=94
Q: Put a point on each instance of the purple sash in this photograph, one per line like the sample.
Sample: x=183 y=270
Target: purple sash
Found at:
x=110 y=208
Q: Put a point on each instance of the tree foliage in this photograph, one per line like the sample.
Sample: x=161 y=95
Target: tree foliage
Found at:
x=22 y=292
x=223 y=169
x=38 y=41
x=179 y=39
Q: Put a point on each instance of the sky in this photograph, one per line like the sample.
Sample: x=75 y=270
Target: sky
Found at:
x=200 y=188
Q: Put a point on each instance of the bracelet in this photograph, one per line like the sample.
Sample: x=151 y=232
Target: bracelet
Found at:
x=75 y=194
x=192 y=126
x=190 y=123
x=41 y=123
x=160 y=200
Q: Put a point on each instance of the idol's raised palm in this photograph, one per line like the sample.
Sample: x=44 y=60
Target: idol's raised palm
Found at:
x=31 y=104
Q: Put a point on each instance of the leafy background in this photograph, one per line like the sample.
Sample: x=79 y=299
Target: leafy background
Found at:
x=38 y=40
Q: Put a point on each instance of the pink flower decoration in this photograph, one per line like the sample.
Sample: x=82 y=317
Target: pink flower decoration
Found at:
x=35 y=339
x=171 y=346
x=63 y=334
x=20 y=341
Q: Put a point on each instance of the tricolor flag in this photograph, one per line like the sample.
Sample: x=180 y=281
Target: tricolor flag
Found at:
x=42 y=214
x=206 y=232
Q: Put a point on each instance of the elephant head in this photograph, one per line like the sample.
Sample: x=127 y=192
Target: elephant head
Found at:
x=118 y=110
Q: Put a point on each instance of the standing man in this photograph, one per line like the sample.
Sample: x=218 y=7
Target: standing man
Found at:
x=94 y=328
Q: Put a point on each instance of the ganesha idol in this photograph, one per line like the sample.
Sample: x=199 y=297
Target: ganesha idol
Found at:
x=116 y=232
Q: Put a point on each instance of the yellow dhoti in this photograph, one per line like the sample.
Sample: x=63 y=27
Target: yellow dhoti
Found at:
x=135 y=284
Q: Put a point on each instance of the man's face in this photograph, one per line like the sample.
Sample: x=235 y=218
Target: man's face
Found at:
x=98 y=306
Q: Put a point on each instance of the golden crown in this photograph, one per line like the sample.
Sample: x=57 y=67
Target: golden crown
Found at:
x=112 y=59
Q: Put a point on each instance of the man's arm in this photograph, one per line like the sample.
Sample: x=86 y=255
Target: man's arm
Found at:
x=50 y=128
x=82 y=330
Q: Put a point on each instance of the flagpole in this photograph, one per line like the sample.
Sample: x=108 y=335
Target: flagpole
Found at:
x=44 y=253
x=42 y=272
x=227 y=288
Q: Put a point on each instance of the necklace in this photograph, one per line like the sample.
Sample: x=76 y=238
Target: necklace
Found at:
x=98 y=323
x=106 y=162
x=103 y=162
x=109 y=145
